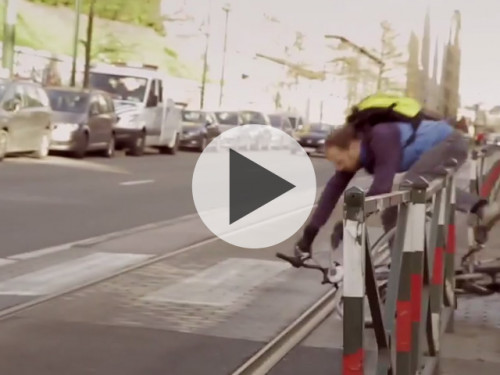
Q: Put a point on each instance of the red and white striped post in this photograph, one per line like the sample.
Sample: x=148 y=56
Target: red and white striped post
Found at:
x=354 y=282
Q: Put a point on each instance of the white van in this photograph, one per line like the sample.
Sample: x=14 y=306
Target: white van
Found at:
x=148 y=115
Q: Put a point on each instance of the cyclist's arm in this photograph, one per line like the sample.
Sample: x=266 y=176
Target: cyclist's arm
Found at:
x=326 y=204
x=385 y=145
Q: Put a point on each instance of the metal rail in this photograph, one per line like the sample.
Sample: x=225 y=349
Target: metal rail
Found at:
x=274 y=351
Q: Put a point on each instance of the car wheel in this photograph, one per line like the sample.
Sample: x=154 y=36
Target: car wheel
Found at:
x=110 y=149
x=171 y=150
x=138 y=145
x=43 y=147
x=81 y=146
x=4 y=141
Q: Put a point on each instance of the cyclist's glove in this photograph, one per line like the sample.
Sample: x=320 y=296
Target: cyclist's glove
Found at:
x=337 y=234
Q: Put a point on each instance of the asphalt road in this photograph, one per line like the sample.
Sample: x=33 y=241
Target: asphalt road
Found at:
x=59 y=200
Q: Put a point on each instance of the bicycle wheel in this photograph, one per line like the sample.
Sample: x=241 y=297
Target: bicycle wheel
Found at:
x=470 y=287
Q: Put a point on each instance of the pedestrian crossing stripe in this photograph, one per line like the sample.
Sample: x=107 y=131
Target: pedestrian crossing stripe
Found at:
x=69 y=274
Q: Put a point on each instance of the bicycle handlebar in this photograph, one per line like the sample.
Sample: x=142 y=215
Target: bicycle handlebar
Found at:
x=298 y=262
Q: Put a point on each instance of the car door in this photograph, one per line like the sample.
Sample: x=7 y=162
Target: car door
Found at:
x=168 y=115
x=212 y=126
x=151 y=110
x=94 y=123
x=38 y=116
x=106 y=119
x=18 y=119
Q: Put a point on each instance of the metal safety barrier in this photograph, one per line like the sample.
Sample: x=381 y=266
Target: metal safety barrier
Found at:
x=419 y=295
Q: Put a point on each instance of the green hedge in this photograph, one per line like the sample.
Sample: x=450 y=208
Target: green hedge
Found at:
x=140 y=12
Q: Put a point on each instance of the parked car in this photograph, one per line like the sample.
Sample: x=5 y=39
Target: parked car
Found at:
x=148 y=116
x=260 y=138
x=312 y=137
x=25 y=118
x=199 y=128
x=84 y=120
x=297 y=122
x=227 y=120
x=281 y=122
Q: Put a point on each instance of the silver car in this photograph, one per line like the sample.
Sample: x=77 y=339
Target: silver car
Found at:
x=25 y=119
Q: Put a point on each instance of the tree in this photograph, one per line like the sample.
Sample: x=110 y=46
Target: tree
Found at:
x=391 y=55
x=111 y=48
x=348 y=66
x=88 y=44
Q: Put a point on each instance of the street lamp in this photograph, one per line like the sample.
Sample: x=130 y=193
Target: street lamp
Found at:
x=363 y=51
x=226 y=9
x=205 y=57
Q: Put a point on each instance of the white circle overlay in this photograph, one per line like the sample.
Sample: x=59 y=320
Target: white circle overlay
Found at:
x=273 y=150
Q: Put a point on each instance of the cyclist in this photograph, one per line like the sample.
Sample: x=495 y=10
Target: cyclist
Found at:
x=382 y=150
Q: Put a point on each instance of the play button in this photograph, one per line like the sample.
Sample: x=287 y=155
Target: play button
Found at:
x=246 y=197
x=254 y=186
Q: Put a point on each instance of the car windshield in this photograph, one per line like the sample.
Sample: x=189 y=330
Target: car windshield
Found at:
x=120 y=87
x=250 y=117
x=68 y=101
x=275 y=120
x=227 y=118
x=319 y=128
x=194 y=116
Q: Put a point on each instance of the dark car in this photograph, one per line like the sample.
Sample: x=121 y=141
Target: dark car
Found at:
x=84 y=120
x=25 y=118
x=312 y=137
x=199 y=128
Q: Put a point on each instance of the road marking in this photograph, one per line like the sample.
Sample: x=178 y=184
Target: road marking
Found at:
x=222 y=284
x=4 y=262
x=138 y=182
x=41 y=252
x=102 y=238
x=72 y=163
x=68 y=274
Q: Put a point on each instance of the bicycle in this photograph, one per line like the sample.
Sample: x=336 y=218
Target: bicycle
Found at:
x=474 y=276
x=333 y=273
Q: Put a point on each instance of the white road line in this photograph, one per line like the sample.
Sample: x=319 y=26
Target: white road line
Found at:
x=4 y=262
x=68 y=274
x=138 y=182
x=105 y=237
x=41 y=252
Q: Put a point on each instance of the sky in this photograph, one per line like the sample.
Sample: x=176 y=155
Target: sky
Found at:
x=359 y=20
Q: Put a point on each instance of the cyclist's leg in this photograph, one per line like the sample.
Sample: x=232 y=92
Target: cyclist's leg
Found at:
x=431 y=166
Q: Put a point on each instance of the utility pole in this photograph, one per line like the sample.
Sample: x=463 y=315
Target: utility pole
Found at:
x=78 y=6
x=88 y=44
x=205 y=57
x=364 y=52
x=225 y=9
x=9 y=35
